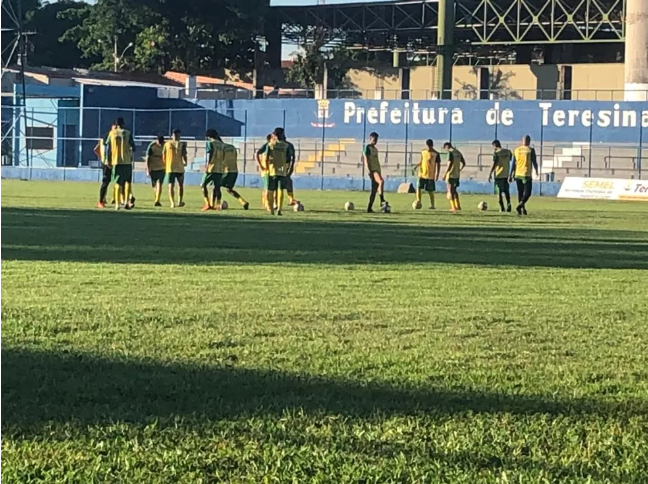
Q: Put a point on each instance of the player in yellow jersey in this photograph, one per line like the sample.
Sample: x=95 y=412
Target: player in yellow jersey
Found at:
x=120 y=147
x=429 y=168
x=106 y=169
x=278 y=153
x=501 y=169
x=372 y=164
x=290 y=190
x=456 y=163
x=263 y=170
x=155 y=168
x=524 y=161
x=174 y=155
x=213 y=169
x=230 y=173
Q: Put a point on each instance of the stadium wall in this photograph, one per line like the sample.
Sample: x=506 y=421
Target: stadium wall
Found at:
x=254 y=181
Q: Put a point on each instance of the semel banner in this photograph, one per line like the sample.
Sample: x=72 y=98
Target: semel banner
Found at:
x=604 y=189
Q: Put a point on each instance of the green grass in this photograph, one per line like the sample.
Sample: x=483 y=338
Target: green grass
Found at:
x=175 y=346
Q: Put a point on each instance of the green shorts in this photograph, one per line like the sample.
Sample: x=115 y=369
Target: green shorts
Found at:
x=215 y=178
x=265 y=179
x=276 y=183
x=501 y=186
x=157 y=176
x=453 y=182
x=122 y=174
x=229 y=180
x=426 y=184
x=173 y=177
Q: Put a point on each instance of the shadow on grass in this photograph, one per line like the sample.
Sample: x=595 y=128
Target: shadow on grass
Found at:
x=40 y=387
x=161 y=238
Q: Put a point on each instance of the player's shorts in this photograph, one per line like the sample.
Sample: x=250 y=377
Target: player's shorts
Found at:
x=157 y=176
x=426 y=184
x=106 y=174
x=276 y=183
x=289 y=184
x=122 y=173
x=453 y=182
x=265 y=179
x=175 y=176
x=501 y=186
x=524 y=179
x=374 y=170
x=229 y=180
x=215 y=178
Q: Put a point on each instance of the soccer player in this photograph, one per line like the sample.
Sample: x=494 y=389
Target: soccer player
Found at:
x=263 y=167
x=524 y=159
x=501 y=168
x=291 y=167
x=429 y=168
x=155 y=168
x=213 y=169
x=230 y=173
x=120 y=147
x=174 y=155
x=456 y=163
x=106 y=169
x=372 y=164
x=277 y=156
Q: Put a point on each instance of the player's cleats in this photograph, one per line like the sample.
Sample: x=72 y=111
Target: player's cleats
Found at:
x=157 y=204
x=206 y=207
x=172 y=205
x=246 y=206
x=524 y=212
x=293 y=202
x=181 y=204
x=128 y=206
x=518 y=209
x=508 y=208
x=432 y=207
x=132 y=201
x=101 y=205
x=279 y=214
x=370 y=210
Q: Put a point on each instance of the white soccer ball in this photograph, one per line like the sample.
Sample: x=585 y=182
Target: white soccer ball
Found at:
x=298 y=207
x=224 y=205
x=349 y=206
x=386 y=208
x=483 y=206
x=417 y=205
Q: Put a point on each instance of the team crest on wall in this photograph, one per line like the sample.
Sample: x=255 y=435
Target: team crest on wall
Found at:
x=323 y=115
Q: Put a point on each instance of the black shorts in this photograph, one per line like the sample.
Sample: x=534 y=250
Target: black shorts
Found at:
x=106 y=174
x=229 y=180
x=276 y=183
x=122 y=174
x=426 y=184
x=157 y=176
x=289 y=184
x=173 y=177
x=501 y=185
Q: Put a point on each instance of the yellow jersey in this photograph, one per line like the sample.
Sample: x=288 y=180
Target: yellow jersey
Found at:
x=230 y=158
x=277 y=158
x=456 y=158
x=502 y=159
x=215 y=154
x=264 y=158
x=429 y=159
x=525 y=158
x=154 y=157
x=173 y=154
x=373 y=162
x=120 y=147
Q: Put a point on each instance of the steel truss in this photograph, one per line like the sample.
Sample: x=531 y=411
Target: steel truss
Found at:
x=477 y=22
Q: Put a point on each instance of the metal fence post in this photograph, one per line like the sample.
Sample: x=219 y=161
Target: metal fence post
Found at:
x=283 y=122
x=639 y=151
x=364 y=140
x=169 y=128
x=323 y=149
x=541 y=151
x=591 y=134
x=133 y=125
x=245 y=128
x=406 y=142
x=99 y=124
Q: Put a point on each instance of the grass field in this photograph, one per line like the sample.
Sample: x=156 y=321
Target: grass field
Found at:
x=164 y=346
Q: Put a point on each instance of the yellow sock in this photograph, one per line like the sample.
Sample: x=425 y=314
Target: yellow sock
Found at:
x=242 y=200
x=116 y=194
x=280 y=199
x=207 y=200
x=452 y=204
x=127 y=192
x=431 y=194
x=418 y=194
x=158 y=194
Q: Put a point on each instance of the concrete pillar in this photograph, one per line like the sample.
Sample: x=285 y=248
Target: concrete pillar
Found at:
x=636 y=51
x=445 y=45
x=273 y=39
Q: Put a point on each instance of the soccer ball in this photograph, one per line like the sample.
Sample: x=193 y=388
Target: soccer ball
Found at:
x=417 y=205
x=298 y=207
x=386 y=208
x=349 y=206
x=224 y=205
x=483 y=206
